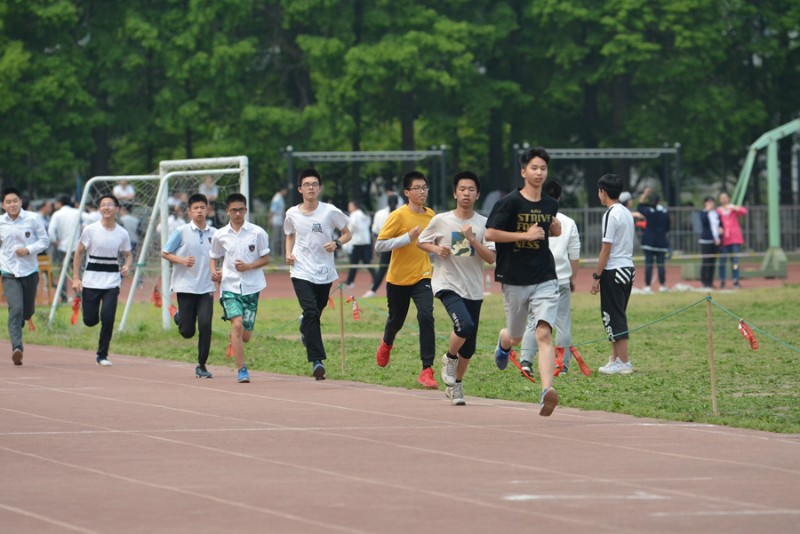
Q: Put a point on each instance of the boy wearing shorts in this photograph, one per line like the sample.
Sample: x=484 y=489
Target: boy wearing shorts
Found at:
x=245 y=247
x=457 y=239
x=613 y=277
x=520 y=224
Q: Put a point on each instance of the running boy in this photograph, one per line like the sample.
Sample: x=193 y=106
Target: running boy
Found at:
x=188 y=251
x=613 y=277
x=457 y=239
x=22 y=238
x=409 y=275
x=245 y=247
x=103 y=241
x=566 y=251
x=310 y=243
x=520 y=224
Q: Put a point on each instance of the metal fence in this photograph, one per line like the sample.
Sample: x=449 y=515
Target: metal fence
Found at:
x=681 y=236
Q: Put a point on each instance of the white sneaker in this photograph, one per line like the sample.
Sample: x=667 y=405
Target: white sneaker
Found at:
x=625 y=368
x=456 y=394
x=647 y=290
x=105 y=362
x=663 y=289
x=368 y=294
x=611 y=368
x=449 y=370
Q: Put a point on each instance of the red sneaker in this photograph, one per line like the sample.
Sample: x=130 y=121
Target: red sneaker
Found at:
x=427 y=380
x=383 y=354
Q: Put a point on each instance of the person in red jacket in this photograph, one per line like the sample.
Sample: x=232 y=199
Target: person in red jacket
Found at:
x=731 y=238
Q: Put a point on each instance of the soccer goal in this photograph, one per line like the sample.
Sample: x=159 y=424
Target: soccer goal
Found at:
x=149 y=214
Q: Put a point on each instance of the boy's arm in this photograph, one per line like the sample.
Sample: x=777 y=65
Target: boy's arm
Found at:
x=602 y=261
x=76 y=267
x=289 y=248
x=533 y=233
x=126 y=264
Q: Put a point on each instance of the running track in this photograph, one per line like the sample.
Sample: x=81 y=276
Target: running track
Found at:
x=145 y=447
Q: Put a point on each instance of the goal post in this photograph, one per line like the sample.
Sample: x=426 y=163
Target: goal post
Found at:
x=100 y=183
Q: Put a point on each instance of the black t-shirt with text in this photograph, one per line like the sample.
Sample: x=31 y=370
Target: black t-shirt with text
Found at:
x=523 y=263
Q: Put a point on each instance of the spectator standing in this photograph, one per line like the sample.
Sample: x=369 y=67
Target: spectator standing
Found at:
x=378 y=220
x=613 y=276
x=731 y=240
x=124 y=191
x=361 y=243
x=654 y=240
x=709 y=242
x=65 y=225
x=277 y=213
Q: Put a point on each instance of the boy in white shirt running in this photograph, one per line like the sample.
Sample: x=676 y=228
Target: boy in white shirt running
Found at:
x=310 y=243
x=22 y=237
x=457 y=239
x=245 y=247
x=103 y=241
x=188 y=251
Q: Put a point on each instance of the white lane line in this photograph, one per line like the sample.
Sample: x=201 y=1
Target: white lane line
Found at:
x=45 y=519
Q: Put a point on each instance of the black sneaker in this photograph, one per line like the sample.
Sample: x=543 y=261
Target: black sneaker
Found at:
x=319 y=370
x=202 y=372
x=176 y=319
x=527 y=367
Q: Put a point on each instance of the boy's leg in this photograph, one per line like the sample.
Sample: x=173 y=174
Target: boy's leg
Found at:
x=398 y=299
x=563 y=324
x=13 y=292
x=90 y=304
x=616 y=284
x=312 y=299
x=423 y=299
x=237 y=340
x=187 y=314
x=205 y=314
x=470 y=343
x=662 y=270
x=108 y=313
x=30 y=284
x=545 y=300
x=463 y=327
x=648 y=267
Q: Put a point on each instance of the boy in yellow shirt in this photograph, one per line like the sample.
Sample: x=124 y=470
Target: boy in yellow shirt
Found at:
x=409 y=276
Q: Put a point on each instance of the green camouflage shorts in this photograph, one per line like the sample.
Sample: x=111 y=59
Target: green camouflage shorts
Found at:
x=244 y=306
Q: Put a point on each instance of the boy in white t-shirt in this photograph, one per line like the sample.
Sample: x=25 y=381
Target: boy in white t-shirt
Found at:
x=310 y=243
x=103 y=241
x=245 y=247
x=613 y=276
x=188 y=251
x=457 y=239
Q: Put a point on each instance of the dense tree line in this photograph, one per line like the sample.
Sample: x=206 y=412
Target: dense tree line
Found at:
x=92 y=87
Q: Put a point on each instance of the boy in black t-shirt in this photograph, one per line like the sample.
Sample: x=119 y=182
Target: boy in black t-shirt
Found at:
x=520 y=224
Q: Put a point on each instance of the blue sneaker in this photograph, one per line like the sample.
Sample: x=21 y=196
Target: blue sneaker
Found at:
x=319 y=370
x=244 y=376
x=500 y=356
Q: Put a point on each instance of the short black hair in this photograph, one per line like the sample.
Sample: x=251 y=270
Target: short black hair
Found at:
x=611 y=184
x=552 y=189
x=410 y=176
x=197 y=197
x=305 y=173
x=64 y=199
x=107 y=195
x=531 y=153
x=235 y=197
x=466 y=175
x=8 y=191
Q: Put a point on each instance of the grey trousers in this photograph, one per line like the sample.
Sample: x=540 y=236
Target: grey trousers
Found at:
x=20 y=294
x=562 y=329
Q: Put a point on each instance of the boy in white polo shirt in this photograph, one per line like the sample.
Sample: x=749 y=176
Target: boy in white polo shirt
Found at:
x=22 y=237
x=103 y=241
x=188 y=251
x=245 y=247
x=310 y=243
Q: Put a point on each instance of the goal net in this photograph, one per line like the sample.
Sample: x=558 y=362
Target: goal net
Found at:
x=156 y=208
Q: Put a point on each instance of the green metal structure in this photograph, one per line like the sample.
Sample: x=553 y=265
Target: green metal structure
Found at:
x=774 y=264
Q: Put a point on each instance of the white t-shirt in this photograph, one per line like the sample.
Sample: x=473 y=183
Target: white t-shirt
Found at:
x=124 y=192
x=312 y=230
x=462 y=271
x=379 y=219
x=248 y=245
x=277 y=207
x=189 y=240
x=359 y=226
x=103 y=248
x=565 y=248
x=618 y=229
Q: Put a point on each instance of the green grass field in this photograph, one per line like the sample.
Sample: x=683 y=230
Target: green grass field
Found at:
x=756 y=389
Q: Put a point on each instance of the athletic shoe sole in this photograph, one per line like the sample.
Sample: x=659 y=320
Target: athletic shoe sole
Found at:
x=549 y=402
x=319 y=372
x=16 y=357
